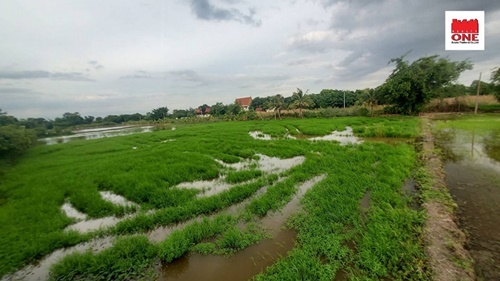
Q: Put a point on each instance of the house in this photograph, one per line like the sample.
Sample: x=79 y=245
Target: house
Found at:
x=244 y=103
x=203 y=112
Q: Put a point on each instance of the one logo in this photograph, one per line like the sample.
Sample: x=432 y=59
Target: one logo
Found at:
x=464 y=30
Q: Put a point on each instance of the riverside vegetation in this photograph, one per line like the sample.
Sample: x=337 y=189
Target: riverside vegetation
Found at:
x=335 y=235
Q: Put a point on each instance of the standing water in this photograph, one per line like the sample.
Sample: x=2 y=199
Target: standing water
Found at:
x=249 y=262
x=472 y=172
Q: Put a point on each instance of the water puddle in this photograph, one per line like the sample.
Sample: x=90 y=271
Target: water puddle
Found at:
x=40 y=271
x=116 y=199
x=249 y=262
x=473 y=178
x=87 y=226
x=72 y=212
x=274 y=221
x=266 y=164
x=160 y=233
x=258 y=135
x=364 y=206
x=208 y=188
x=269 y=165
x=98 y=133
x=343 y=137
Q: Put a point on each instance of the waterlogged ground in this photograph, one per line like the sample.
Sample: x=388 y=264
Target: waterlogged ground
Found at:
x=303 y=199
x=472 y=147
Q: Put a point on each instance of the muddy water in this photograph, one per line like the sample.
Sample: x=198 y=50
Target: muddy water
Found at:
x=249 y=262
x=40 y=271
x=473 y=178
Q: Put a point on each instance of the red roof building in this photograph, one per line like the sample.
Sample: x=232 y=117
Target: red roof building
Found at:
x=244 y=102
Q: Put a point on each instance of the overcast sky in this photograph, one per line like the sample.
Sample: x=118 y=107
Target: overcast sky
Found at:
x=124 y=56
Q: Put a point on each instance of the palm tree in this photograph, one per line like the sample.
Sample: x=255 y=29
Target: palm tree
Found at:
x=277 y=102
x=301 y=100
x=370 y=98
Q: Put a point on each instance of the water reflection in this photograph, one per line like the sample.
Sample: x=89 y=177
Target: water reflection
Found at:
x=98 y=133
x=473 y=178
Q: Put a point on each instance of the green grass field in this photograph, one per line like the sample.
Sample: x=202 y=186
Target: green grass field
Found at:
x=384 y=242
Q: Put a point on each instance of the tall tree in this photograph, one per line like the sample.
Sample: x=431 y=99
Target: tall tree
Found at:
x=411 y=86
x=159 y=113
x=495 y=81
x=301 y=101
x=370 y=98
x=277 y=102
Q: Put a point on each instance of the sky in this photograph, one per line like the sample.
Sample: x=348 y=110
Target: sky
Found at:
x=125 y=56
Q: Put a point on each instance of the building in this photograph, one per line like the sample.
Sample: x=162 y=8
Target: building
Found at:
x=244 y=103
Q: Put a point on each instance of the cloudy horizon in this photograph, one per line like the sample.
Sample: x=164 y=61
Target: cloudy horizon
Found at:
x=123 y=56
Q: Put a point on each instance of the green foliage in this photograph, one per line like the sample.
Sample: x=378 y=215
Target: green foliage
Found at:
x=495 y=82
x=485 y=88
x=301 y=101
x=242 y=176
x=14 y=140
x=158 y=113
x=129 y=258
x=411 y=86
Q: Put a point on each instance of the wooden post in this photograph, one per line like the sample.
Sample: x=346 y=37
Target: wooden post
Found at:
x=477 y=94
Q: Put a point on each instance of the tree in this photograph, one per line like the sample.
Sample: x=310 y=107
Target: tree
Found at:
x=484 y=89
x=369 y=97
x=15 y=140
x=159 y=113
x=301 y=101
x=218 y=109
x=233 y=109
x=411 y=86
x=277 y=102
x=495 y=82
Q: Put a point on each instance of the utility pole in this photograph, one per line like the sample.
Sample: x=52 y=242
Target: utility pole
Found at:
x=477 y=94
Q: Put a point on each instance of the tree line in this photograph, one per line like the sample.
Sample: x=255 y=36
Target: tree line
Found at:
x=407 y=90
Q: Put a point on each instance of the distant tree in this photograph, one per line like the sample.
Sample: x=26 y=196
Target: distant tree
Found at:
x=411 y=86
x=89 y=119
x=159 y=113
x=277 y=102
x=218 y=109
x=15 y=140
x=99 y=119
x=7 y=119
x=233 y=109
x=301 y=101
x=113 y=119
x=70 y=119
x=495 y=82
x=370 y=98
x=455 y=90
x=259 y=102
x=484 y=89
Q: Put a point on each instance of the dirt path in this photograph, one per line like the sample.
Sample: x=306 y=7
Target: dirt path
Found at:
x=444 y=240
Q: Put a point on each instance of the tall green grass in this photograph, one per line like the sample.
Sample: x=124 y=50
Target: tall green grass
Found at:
x=32 y=191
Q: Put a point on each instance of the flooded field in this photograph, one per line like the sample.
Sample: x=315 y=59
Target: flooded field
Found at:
x=249 y=262
x=473 y=177
x=211 y=201
x=90 y=134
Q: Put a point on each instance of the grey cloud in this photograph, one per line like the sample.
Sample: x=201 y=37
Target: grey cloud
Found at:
x=186 y=75
x=375 y=31
x=39 y=74
x=16 y=91
x=30 y=74
x=205 y=10
x=95 y=64
x=70 y=76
